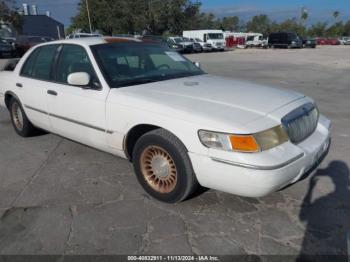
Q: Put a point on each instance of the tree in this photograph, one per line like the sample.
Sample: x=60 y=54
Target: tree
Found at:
x=124 y=16
x=292 y=25
x=304 y=15
x=230 y=23
x=9 y=14
x=260 y=24
x=336 y=30
x=318 y=29
x=336 y=14
x=346 y=31
x=207 y=21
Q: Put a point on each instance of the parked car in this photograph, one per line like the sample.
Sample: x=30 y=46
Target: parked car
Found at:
x=255 y=40
x=327 y=41
x=10 y=40
x=82 y=35
x=6 y=49
x=24 y=43
x=213 y=37
x=285 y=39
x=175 y=46
x=309 y=42
x=178 y=125
x=160 y=39
x=197 y=47
x=187 y=46
x=205 y=47
x=345 y=40
x=333 y=41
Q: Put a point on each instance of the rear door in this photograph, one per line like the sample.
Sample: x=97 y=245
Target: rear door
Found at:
x=77 y=112
x=33 y=83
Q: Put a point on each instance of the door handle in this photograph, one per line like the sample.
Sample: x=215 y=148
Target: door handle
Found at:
x=51 y=92
x=19 y=85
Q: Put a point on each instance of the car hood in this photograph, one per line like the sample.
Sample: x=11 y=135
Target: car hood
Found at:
x=186 y=43
x=208 y=99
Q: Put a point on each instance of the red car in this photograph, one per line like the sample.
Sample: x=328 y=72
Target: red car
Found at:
x=327 y=41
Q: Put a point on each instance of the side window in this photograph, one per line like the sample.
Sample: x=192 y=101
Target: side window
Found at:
x=73 y=59
x=27 y=69
x=42 y=66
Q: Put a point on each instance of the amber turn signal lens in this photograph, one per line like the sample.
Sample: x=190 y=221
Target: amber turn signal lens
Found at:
x=244 y=143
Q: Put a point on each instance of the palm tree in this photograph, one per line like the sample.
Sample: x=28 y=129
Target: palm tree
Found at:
x=336 y=14
x=304 y=15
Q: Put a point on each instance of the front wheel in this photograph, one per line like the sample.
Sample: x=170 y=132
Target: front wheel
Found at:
x=163 y=168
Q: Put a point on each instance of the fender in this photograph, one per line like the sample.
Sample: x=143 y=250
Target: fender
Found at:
x=13 y=95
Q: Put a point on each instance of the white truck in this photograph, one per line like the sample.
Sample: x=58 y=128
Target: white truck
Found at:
x=213 y=37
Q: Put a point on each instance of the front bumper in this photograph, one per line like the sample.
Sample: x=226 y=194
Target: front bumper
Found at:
x=285 y=165
x=218 y=47
x=207 y=48
x=297 y=45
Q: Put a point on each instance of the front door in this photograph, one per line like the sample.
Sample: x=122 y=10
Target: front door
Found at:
x=76 y=112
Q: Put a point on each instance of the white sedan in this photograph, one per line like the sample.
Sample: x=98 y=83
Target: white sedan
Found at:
x=179 y=126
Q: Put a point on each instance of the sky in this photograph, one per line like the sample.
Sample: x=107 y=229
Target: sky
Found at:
x=319 y=10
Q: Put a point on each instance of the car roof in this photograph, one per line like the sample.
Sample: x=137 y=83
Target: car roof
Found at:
x=90 y=41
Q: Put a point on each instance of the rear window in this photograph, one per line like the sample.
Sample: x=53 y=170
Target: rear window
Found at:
x=29 y=64
x=39 y=63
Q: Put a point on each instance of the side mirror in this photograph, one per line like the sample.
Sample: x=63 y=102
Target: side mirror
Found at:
x=197 y=64
x=79 y=79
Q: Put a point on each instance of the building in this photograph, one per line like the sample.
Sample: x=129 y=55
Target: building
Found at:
x=41 y=25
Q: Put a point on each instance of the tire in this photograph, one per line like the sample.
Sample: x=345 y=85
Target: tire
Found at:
x=20 y=121
x=163 y=168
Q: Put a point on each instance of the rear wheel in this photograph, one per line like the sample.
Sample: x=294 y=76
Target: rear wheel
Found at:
x=20 y=121
x=163 y=168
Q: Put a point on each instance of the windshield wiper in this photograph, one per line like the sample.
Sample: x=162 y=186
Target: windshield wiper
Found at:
x=136 y=82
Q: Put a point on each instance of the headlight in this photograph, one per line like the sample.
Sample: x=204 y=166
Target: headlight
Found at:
x=244 y=143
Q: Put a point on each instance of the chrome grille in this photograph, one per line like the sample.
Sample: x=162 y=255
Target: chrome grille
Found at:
x=301 y=122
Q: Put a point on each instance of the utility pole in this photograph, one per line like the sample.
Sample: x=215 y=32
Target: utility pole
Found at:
x=88 y=13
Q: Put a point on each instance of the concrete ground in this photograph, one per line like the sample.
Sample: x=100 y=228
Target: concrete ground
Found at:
x=60 y=197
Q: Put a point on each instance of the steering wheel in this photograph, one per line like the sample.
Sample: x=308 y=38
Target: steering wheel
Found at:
x=164 y=66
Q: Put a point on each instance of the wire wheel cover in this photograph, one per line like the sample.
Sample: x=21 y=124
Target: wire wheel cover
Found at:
x=158 y=169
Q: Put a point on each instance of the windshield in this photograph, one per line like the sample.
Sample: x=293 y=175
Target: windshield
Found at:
x=216 y=36
x=5 y=33
x=293 y=36
x=126 y=64
x=198 y=40
x=178 y=40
